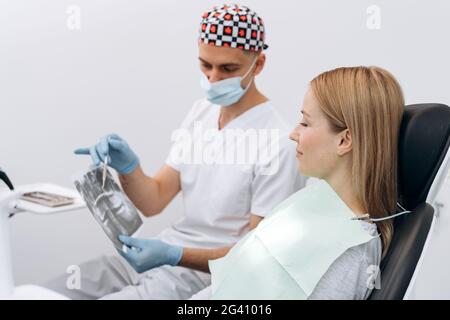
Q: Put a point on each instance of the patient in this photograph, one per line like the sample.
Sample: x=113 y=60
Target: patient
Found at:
x=347 y=137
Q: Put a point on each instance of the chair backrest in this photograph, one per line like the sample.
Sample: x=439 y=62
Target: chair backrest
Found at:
x=423 y=144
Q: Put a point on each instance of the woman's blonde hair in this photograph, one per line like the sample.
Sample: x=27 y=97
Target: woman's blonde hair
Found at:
x=368 y=101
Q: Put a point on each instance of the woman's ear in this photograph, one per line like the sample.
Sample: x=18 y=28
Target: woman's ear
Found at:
x=345 y=142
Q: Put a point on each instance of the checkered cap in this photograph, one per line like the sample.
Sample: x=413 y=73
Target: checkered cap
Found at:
x=233 y=26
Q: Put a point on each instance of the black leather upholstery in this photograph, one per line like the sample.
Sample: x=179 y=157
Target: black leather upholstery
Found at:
x=423 y=143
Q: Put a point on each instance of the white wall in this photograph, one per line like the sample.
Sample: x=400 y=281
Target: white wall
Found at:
x=132 y=69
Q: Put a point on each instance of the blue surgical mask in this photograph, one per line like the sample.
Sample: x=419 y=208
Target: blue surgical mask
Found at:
x=226 y=92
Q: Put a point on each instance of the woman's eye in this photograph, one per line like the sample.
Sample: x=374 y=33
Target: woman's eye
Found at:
x=303 y=124
x=206 y=66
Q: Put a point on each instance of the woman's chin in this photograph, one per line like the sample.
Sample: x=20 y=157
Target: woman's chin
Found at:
x=307 y=172
x=302 y=169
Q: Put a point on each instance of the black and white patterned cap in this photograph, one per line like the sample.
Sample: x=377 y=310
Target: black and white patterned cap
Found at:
x=233 y=26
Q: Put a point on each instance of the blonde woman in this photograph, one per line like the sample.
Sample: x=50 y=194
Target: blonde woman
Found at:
x=347 y=137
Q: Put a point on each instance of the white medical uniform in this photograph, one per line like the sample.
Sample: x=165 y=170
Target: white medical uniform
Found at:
x=218 y=197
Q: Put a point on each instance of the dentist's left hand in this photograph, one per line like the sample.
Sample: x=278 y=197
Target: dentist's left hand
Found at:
x=146 y=254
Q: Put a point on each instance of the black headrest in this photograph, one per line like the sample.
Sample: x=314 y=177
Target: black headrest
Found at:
x=423 y=143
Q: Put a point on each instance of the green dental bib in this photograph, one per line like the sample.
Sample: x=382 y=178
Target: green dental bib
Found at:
x=290 y=251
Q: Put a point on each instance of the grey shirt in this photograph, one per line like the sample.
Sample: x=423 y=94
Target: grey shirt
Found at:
x=352 y=275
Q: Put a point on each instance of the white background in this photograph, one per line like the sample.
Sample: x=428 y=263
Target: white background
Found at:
x=132 y=69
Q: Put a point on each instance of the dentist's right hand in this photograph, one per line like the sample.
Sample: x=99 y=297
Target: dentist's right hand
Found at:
x=120 y=156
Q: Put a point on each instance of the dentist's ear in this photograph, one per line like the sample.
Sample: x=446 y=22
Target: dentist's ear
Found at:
x=260 y=63
x=345 y=143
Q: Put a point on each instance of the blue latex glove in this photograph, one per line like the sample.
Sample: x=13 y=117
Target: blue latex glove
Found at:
x=120 y=156
x=146 y=254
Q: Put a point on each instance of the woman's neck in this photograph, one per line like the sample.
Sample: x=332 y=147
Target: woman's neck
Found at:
x=341 y=183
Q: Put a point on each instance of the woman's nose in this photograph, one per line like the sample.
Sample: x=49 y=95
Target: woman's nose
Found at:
x=294 y=135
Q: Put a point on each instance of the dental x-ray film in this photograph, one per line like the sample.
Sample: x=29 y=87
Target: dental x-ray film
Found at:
x=109 y=205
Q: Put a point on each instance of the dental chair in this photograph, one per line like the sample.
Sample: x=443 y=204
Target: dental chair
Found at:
x=423 y=144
